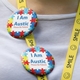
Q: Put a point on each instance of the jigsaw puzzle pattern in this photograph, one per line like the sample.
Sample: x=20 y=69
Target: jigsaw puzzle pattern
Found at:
x=20 y=29
x=37 y=52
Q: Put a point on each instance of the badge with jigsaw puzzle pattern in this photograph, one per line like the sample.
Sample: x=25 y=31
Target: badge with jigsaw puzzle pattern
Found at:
x=38 y=61
x=22 y=23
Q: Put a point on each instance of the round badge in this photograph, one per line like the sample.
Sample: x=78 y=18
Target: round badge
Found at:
x=22 y=23
x=38 y=61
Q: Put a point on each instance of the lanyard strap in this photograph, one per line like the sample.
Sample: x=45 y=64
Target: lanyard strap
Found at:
x=21 y=4
x=30 y=40
x=72 y=49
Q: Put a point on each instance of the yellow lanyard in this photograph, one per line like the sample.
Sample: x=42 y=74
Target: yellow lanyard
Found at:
x=72 y=49
x=30 y=38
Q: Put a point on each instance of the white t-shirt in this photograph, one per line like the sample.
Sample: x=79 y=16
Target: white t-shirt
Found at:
x=52 y=32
